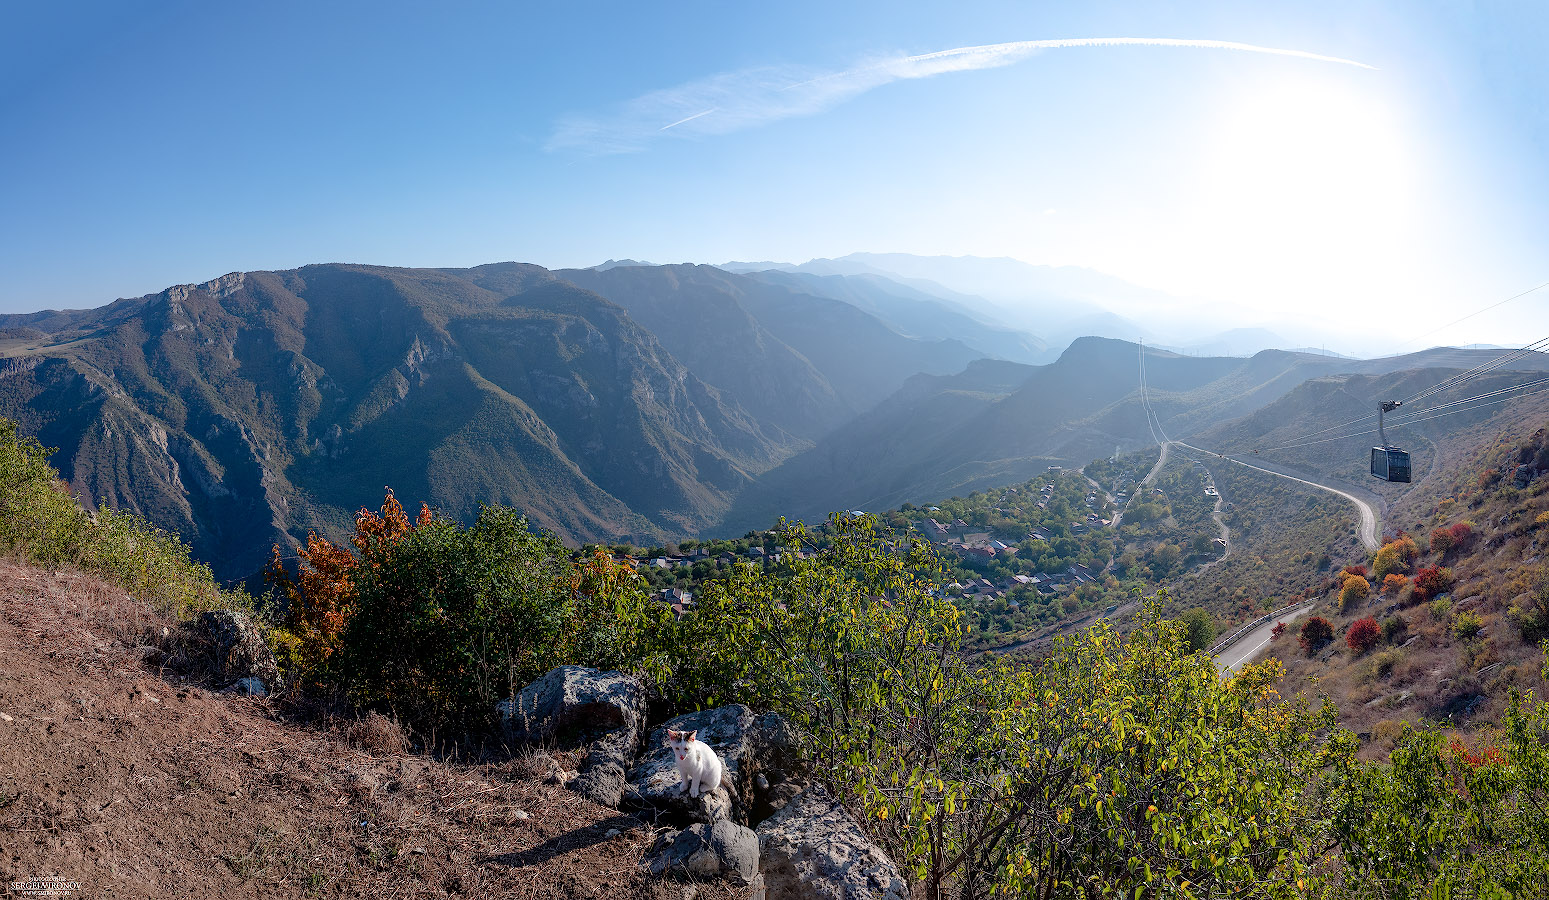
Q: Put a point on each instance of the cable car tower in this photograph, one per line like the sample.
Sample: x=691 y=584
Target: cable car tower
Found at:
x=1389 y=463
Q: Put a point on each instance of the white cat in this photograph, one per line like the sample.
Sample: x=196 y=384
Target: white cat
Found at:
x=698 y=765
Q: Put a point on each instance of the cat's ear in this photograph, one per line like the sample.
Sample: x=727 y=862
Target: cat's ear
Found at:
x=690 y=735
x=672 y=735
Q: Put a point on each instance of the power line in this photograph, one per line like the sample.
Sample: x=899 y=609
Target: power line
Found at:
x=1412 y=416
x=1425 y=418
x=1479 y=370
x=1472 y=314
x=1445 y=384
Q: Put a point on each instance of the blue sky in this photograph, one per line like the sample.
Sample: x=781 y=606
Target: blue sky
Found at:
x=147 y=148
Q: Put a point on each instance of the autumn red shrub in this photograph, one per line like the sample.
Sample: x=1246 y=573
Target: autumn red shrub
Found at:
x=1354 y=570
x=1277 y=631
x=1441 y=540
x=1363 y=634
x=1432 y=582
x=1394 y=583
x=1462 y=535
x=1476 y=759
x=1316 y=633
x=322 y=594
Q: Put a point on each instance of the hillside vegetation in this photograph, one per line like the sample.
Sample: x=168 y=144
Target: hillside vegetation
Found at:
x=1459 y=608
x=1079 y=774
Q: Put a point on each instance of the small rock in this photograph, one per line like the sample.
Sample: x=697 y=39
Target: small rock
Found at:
x=240 y=651
x=520 y=814
x=6 y=718
x=612 y=833
x=251 y=687
x=813 y=850
x=724 y=849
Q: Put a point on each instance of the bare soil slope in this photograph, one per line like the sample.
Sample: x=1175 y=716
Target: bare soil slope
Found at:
x=138 y=785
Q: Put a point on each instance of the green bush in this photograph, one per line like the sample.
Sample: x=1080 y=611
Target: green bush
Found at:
x=1445 y=819
x=450 y=619
x=42 y=523
x=1199 y=628
x=1467 y=625
x=38 y=518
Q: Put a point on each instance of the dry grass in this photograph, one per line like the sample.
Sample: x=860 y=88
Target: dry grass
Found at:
x=138 y=785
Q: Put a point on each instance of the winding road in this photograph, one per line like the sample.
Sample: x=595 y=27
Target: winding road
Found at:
x=1246 y=647
x=1366 y=528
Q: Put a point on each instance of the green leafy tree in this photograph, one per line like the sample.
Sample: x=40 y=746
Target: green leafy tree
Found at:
x=1200 y=629
x=449 y=619
x=1444 y=819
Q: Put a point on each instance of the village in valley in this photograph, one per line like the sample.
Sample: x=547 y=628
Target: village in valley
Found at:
x=1016 y=558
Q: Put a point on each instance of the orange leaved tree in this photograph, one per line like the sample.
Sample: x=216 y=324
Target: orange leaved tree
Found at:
x=321 y=596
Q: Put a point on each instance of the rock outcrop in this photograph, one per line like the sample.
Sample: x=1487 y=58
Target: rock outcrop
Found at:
x=573 y=702
x=748 y=745
x=239 y=651
x=813 y=850
x=577 y=705
x=721 y=850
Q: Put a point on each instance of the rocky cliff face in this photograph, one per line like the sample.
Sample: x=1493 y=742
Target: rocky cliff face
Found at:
x=259 y=406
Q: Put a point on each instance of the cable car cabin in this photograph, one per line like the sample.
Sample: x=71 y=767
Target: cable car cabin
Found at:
x=1390 y=464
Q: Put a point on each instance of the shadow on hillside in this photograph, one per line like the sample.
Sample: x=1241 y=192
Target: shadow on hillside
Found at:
x=559 y=845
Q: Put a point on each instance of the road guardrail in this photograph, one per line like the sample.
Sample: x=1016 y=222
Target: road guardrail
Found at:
x=1235 y=636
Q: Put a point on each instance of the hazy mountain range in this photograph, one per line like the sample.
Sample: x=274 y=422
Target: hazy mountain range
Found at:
x=1062 y=303
x=627 y=401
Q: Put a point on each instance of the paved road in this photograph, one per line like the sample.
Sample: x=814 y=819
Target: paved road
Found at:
x=1248 y=646
x=1226 y=533
x=1160 y=462
x=1366 y=529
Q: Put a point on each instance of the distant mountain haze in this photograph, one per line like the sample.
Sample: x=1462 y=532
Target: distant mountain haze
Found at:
x=805 y=361
x=991 y=426
x=1062 y=303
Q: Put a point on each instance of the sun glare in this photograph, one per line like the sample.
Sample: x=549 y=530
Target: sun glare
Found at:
x=1307 y=171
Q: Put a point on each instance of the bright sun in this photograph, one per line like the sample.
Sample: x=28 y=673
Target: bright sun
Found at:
x=1303 y=187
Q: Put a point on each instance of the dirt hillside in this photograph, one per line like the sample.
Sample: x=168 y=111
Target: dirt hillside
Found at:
x=132 y=783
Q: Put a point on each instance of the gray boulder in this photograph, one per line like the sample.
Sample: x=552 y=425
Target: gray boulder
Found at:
x=654 y=781
x=813 y=850
x=573 y=703
x=722 y=850
x=239 y=650
x=601 y=778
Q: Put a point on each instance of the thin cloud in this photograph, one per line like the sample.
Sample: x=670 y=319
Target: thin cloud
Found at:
x=732 y=101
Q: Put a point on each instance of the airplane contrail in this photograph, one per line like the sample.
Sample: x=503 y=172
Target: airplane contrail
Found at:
x=687 y=119
x=731 y=101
